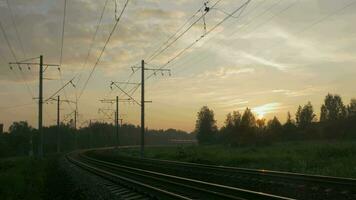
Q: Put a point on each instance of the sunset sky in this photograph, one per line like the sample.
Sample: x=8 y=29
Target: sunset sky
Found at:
x=276 y=55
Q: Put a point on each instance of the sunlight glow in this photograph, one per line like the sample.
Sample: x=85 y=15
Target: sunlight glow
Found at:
x=261 y=111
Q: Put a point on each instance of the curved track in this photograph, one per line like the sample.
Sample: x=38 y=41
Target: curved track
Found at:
x=156 y=185
x=292 y=185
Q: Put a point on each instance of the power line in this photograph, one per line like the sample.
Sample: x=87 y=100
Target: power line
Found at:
x=103 y=49
x=16 y=30
x=307 y=27
x=177 y=31
x=63 y=29
x=14 y=57
x=93 y=40
x=260 y=24
x=61 y=50
x=181 y=34
x=242 y=8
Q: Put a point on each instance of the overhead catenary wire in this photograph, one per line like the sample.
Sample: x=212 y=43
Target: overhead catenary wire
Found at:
x=103 y=49
x=16 y=29
x=92 y=41
x=15 y=58
x=255 y=17
x=308 y=26
x=183 y=33
x=241 y=8
x=61 y=50
x=176 y=32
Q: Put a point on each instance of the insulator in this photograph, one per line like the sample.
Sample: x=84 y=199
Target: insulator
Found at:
x=162 y=73
x=20 y=68
x=28 y=67
x=154 y=73
x=169 y=73
x=11 y=67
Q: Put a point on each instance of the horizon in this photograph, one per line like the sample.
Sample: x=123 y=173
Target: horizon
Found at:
x=270 y=59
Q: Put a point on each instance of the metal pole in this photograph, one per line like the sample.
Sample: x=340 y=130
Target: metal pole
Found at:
x=40 y=102
x=142 y=107
x=117 y=121
x=75 y=128
x=58 y=123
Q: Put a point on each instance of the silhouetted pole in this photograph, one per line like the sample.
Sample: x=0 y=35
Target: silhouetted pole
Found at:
x=40 y=102
x=58 y=124
x=142 y=107
x=117 y=121
x=75 y=126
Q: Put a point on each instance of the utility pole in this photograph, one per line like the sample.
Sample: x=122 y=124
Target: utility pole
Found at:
x=143 y=69
x=40 y=97
x=58 y=124
x=40 y=104
x=117 y=121
x=116 y=118
x=142 y=108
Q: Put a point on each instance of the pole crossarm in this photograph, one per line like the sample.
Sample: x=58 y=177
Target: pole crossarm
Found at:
x=116 y=85
x=105 y=112
x=114 y=100
x=64 y=100
x=26 y=63
x=155 y=70
x=60 y=89
x=128 y=83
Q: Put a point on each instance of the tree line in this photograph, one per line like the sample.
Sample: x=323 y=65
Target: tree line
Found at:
x=17 y=141
x=336 y=121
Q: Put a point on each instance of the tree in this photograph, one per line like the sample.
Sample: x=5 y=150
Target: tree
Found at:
x=20 y=134
x=248 y=120
x=205 y=126
x=261 y=123
x=305 y=115
x=333 y=108
x=274 y=125
x=289 y=127
x=351 y=108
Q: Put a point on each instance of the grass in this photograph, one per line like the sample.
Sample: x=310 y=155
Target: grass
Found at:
x=333 y=158
x=30 y=178
x=21 y=178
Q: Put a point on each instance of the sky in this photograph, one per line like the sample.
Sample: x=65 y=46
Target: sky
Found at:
x=270 y=56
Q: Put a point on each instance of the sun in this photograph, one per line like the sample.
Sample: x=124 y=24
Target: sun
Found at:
x=260 y=114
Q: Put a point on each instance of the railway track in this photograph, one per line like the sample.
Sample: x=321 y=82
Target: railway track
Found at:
x=292 y=185
x=146 y=184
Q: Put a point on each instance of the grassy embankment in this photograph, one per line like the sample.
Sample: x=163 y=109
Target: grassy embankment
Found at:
x=336 y=158
x=26 y=178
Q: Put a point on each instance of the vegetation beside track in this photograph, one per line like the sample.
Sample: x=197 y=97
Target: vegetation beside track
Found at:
x=30 y=178
x=333 y=158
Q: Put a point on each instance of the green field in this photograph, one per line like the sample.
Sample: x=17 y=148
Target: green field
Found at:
x=30 y=178
x=21 y=178
x=334 y=158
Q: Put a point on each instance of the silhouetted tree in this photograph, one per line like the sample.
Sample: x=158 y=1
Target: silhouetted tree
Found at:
x=231 y=130
x=351 y=108
x=205 y=126
x=274 y=125
x=261 y=123
x=19 y=137
x=248 y=119
x=332 y=109
x=305 y=116
x=289 y=127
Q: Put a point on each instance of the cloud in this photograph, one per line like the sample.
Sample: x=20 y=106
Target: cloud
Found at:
x=226 y=72
x=268 y=108
x=266 y=62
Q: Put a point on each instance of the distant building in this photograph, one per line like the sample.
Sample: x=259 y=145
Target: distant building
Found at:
x=1 y=128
